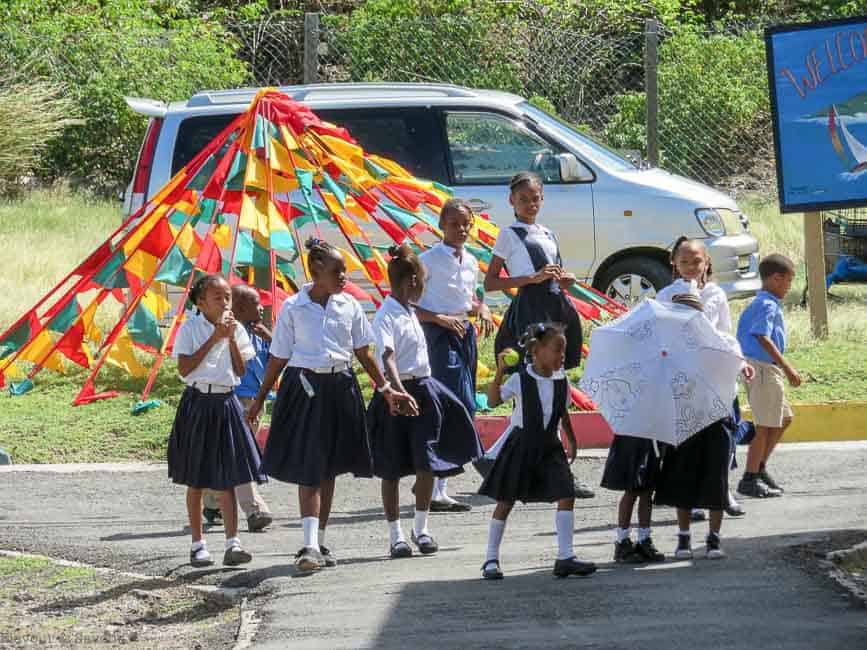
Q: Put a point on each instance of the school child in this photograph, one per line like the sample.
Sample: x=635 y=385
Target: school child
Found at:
x=437 y=441
x=690 y=262
x=762 y=335
x=318 y=428
x=446 y=303
x=695 y=473
x=532 y=465
x=531 y=254
x=211 y=445
x=248 y=312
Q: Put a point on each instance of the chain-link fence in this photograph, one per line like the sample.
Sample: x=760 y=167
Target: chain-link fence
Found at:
x=709 y=125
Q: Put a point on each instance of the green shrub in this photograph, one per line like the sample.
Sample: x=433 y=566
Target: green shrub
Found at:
x=102 y=51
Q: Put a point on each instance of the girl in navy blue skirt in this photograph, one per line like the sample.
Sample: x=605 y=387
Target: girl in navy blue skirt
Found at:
x=318 y=428
x=211 y=445
x=444 y=308
x=531 y=254
x=437 y=442
x=532 y=465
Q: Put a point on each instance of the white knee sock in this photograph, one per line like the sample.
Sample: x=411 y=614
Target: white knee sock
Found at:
x=565 y=522
x=311 y=530
x=495 y=537
x=643 y=534
x=395 y=532
x=440 y=489
x=419 y=526
x=622 y=534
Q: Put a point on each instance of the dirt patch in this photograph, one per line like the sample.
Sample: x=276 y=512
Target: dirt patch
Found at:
x=840 y=555
x=47 y=604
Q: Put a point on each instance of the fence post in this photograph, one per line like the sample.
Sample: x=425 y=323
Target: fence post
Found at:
x=311 y=48
x=651 y=89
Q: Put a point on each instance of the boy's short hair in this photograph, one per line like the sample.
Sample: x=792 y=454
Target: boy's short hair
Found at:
x=775 y=263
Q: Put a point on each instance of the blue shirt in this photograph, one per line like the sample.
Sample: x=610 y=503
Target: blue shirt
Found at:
x=252 y=379
x=763 y=317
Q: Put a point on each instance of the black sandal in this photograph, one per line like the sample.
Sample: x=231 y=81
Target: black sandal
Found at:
x=493 y=573
x=400 y=550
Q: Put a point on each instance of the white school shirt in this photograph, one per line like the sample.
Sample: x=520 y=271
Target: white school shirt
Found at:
x=450 y=282
x=512 y=389
x=509 y=247
x=216 y=367
x=713 y=298
x=397 y=328
x=311 y=336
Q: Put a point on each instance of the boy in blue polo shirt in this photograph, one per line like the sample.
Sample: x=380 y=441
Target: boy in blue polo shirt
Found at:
x=248 y=312
x=762 y=336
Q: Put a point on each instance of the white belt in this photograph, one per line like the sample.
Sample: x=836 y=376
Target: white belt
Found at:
x=212 y=388
x=331 y=370
x=411 y=377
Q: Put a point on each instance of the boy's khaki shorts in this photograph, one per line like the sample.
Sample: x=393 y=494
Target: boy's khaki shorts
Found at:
x=767 y=395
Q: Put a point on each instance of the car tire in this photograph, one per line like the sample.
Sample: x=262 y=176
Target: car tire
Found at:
x=633 y=279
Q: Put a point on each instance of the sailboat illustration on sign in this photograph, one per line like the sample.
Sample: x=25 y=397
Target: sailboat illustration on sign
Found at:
x=856 y=150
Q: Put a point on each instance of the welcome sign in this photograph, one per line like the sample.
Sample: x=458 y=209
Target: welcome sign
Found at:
x=818 y=81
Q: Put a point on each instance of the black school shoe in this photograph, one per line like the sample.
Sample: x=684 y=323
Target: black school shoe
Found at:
x=769 y=480
x=624 y=552
x=754 y=486
x=399 y=550
x=648 y=552
x=491 y=570
x=235 y=556
x=258 y=521
x=328 y=558
x=213 y=516
x=573 y=567
x=425 y=543
x=308 y=559
x=200 y=558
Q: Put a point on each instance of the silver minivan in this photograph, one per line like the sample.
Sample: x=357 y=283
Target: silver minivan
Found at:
x=615 y=220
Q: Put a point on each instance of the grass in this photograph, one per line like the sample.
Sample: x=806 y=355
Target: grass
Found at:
x=46 y=234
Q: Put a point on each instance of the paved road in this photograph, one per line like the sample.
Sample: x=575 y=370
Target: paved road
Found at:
x=132 y=518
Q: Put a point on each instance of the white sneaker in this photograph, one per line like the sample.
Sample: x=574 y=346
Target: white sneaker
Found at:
x=713 y=550
x=684 y=548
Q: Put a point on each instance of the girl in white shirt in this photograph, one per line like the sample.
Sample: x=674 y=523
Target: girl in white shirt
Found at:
x=530 y=253
x=318 y=428
x=211 y=445
x=446 y=302
x=532 y=466
x=441 y=438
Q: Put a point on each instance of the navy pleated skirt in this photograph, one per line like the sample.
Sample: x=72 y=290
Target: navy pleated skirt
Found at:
x=313 y=439
x=537 y=303
x=441 y=439
x=632 y=464
x=530 y=470
x=453 y=360
x=211 y=445
x=695 y=474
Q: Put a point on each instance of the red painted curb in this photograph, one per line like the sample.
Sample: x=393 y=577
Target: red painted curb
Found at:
x=591 y=429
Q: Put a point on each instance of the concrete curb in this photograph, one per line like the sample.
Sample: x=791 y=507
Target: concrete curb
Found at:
x=827 y=422
x=856 y=554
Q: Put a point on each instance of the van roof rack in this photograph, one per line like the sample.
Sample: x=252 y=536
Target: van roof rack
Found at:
x=300 y=93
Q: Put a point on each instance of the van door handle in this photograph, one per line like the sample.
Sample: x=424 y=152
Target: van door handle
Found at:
x=478 y=205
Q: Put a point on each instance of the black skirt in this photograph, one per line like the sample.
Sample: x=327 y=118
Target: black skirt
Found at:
x=532 y=471
x=211 y=445
x=696 y=473
x=632 y=464
x=313 y=439
x=539 y=303
x=441 y=439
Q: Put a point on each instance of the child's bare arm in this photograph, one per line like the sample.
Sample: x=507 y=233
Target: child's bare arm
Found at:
x=775 y=354
x=494 y=396
x=570 y=435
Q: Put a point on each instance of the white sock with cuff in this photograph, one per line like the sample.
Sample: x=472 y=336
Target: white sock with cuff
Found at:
x=311 y=530
x=495 y=538
x=565 y=524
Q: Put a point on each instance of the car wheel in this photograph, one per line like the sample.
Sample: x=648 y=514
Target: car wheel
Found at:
x=634 y=279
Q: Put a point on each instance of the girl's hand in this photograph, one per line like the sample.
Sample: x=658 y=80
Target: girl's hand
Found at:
x=452 y=323
x=748 y=372
x=253 y=413
x=566 y=280
x=400 y=403
x=549 y=272
x=486 y=322
x=226 y=327
x=502 y=366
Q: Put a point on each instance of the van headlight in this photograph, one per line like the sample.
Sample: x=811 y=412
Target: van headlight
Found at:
x=711 y=222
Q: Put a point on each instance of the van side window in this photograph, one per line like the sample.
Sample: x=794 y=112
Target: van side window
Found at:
x=409 y=136
x=488 y=149
x=194 y=134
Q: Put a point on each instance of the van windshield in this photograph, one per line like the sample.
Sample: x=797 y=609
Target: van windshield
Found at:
x=582 y=144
